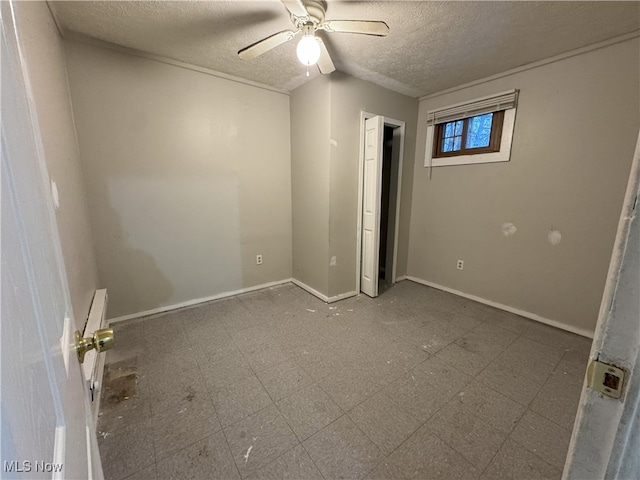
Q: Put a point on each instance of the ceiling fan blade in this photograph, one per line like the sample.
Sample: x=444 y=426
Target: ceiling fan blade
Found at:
x=296 y=8
x=325 y=64
x=266 y=44
x=366 y=27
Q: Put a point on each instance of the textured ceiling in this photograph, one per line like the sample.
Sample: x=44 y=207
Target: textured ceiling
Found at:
x=432 y=46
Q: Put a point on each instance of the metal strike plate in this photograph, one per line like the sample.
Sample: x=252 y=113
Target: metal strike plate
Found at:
x=606 y=379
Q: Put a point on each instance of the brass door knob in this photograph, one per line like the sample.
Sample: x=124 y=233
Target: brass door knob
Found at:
x=101 y=340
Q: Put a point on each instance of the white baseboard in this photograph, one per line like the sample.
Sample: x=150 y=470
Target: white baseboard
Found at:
x=311 y=290
x=197 y=301
x=322 y=296
x=342 y=296
x=522 y=313
x=399 y=279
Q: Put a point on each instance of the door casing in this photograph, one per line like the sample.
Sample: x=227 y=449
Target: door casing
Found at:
x=397 y=124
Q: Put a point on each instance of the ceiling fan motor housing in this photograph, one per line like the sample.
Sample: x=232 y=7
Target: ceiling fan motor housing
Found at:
x=316 y=10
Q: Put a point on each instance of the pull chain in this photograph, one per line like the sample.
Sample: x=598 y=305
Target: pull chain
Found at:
x=307 y=70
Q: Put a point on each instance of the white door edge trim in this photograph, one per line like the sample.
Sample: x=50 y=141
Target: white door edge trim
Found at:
x=398 y=124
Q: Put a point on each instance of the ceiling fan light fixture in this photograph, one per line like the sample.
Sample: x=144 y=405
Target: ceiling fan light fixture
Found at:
x=308 y=50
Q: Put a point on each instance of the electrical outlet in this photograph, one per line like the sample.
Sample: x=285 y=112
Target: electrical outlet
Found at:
x=258 y=259
x=460 y=265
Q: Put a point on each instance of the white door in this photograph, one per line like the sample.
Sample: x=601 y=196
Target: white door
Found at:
x=373 y=143
x=46 y=431
x=606 y=436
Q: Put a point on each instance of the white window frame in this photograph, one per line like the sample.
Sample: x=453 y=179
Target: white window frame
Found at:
x=504 y=155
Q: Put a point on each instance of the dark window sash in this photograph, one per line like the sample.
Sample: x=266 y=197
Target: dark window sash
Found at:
x=494 y=139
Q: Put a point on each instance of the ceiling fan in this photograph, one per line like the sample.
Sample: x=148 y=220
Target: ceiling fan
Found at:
x=308 y=17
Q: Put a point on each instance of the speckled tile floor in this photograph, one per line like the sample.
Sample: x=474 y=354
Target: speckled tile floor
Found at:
x=275 y=384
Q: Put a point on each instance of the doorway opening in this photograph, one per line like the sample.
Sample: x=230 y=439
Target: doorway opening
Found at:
x=382 y=145
x=387 y=204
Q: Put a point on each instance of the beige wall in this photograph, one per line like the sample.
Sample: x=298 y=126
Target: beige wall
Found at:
x=44 y=53
x=310 y=132
x=188 y=176
x=350 y=96
x=575 y=132
x=325 y=156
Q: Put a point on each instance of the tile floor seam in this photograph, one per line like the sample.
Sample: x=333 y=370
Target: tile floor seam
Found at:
x=509 y=438
x=503 y=395
x=380 y=388
x=529 y=409
x=276 y=458
x=408 y=412
x=535 y=454
x=326 y=426
x=332 y=399
x=175 y=451
x=424 y=424
x=408 y=436
x=137 y=471
x=437 y=434
x=274 y=366
x=524 y=446
x=488 y=323
x=506 y=438
x=528 y=406
x=367 y=329
x=477 y=375
x=153 y=441
x=287 y=421
x=299 y=444
x=255 y=372
x=463 y=455
x=210 y=396
x=547 y=345
x=246 y=416
x=344 y=414
x=235 y=464
x=412 y=434
x=313 y=461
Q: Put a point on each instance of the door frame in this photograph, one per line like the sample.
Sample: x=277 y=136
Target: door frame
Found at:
x=402 y=126
x=605 y=434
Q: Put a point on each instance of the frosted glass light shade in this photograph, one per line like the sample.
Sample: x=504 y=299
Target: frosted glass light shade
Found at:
x=308 y=50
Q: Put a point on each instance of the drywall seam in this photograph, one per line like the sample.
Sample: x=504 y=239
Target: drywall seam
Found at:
x=539 y=63
x=311 y=290
x=198 y=301
x=169 y=61
x=554 y=323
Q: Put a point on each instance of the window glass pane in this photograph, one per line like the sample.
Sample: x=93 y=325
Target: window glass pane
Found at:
x=479 y=131
x=447 y=145
x=459 y=127
x=448 y=129
x=457 y=142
